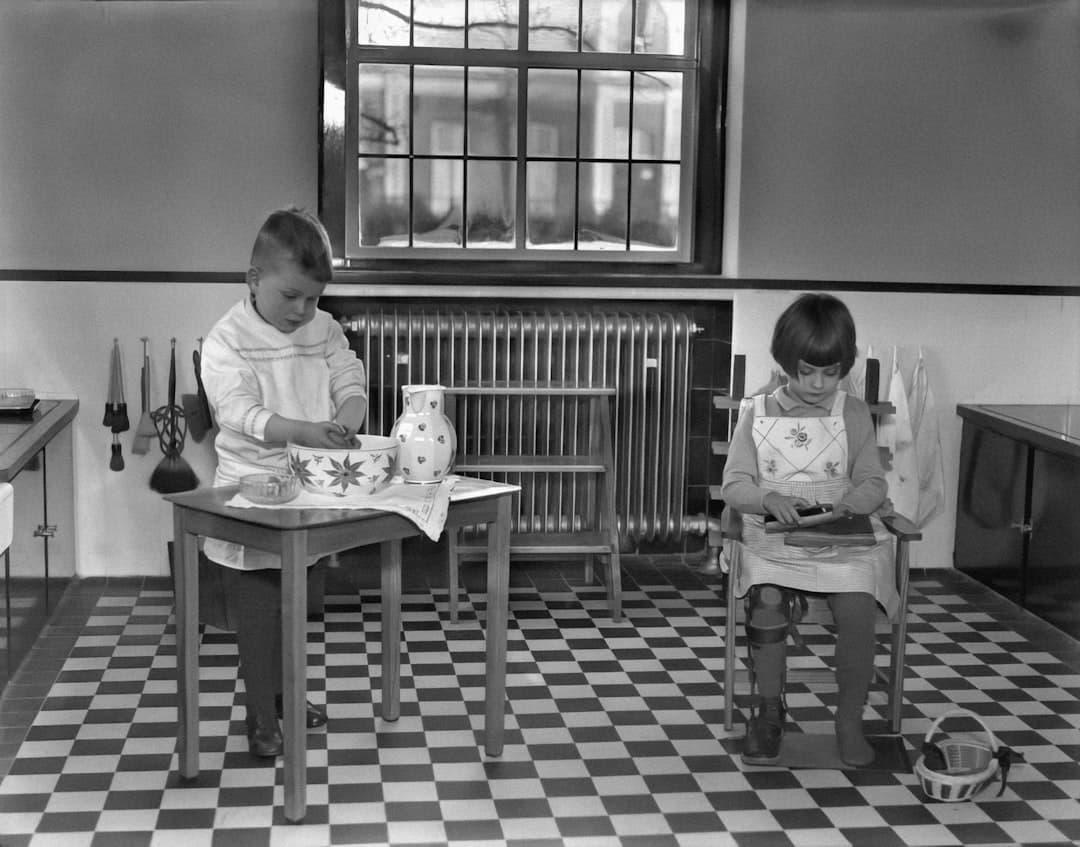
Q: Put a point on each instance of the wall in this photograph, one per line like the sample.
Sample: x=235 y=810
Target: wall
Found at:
x=178 y=199
x=905 y=141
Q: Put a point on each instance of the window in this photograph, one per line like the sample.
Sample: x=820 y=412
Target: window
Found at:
x=510 y=129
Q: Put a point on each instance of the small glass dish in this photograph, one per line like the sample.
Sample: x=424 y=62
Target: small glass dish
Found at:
x=270 y=489
x=17 y=398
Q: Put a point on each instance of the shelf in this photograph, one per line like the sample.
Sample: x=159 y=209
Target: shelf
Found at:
x=602 y=537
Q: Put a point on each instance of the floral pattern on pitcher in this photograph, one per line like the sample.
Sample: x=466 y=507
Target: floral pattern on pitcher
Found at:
x=427 y=439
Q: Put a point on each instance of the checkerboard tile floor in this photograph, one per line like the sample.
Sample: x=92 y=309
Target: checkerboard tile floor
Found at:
x=614 y=731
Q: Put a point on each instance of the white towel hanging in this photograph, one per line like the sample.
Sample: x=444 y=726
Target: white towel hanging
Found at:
x=926 y=432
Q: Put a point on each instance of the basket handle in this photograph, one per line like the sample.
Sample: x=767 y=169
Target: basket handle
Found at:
x=953 y=713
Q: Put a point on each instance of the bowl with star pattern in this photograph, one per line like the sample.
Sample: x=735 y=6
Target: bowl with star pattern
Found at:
x=363 y=469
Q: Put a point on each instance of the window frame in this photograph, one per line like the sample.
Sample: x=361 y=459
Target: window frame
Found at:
x=701 y=152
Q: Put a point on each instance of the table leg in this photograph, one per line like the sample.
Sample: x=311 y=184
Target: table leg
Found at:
x=294 y=675
x=498 y=580
x=390 y=558
x=186 y=597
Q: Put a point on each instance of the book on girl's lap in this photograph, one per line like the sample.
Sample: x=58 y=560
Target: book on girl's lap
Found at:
x=853 y=531
x=819 y=527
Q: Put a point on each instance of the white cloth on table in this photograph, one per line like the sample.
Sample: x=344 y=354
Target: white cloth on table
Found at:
x=426 y=505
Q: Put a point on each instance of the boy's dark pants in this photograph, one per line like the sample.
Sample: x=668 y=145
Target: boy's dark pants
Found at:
x=253 y=604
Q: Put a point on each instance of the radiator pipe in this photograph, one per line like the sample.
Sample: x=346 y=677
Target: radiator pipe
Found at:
x=702 y=524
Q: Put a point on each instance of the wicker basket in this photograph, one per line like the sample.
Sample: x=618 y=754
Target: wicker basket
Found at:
x=969 y=765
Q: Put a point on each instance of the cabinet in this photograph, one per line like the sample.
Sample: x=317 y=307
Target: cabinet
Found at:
x=558 y=441
x=1016 y=528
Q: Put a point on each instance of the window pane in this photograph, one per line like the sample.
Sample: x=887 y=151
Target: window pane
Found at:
x=552 y=95
x=383 y=116
x=493 y=24
x=438 y=110
x=550 y=205
x=439 y=23
x=657 y=116
x=654 y=207
x=603 y=31
x=553 y=25
x=659 y=27
x=605 y=114
x=437 y=189
x=383 y=23
x=491 y=218
x=602 y=206
x=492 y=112
x=384 y=202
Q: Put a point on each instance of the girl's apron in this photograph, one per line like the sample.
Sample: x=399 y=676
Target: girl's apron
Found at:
x=808 y=458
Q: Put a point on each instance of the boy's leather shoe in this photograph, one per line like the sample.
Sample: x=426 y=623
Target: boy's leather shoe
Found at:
x=262 y=741
x=764 y=733
x=315 y=717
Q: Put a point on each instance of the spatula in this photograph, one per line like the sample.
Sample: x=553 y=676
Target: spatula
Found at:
x=198 y=422
x=144 y=431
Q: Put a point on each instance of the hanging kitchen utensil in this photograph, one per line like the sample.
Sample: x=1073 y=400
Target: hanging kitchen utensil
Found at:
x=173 y=473
x=110 y=398
x=203 y=399
x=144 y=430
x=198 y=421
x=120 y=421
x=113 y=419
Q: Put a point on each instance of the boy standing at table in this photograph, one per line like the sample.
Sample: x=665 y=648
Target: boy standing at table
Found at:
x=277 y=369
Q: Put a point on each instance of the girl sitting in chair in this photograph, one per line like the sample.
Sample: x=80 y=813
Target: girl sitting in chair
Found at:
x=809 y=443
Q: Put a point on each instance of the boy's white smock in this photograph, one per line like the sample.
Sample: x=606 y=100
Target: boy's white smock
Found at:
x=253 y=371
x=808 y=457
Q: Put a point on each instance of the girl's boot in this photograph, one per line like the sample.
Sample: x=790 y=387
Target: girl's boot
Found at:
x=854 y=614
x=767 y=628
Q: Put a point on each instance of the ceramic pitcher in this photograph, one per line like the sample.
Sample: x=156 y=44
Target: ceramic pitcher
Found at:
x=428 y=442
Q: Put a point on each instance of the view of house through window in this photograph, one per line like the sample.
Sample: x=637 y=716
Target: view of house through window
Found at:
x=509 y=128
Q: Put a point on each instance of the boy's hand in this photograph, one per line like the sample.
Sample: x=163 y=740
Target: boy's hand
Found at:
x=784 y=509
x=324 y=434
x=351 y=415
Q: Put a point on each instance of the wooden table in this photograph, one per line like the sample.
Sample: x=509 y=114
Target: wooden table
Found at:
x=297 y=534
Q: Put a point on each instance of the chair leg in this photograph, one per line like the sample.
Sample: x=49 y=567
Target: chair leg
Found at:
x=899 y=640
x=729 y=651
x=614 y=585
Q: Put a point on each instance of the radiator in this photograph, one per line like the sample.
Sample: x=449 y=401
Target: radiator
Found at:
x=645 y=357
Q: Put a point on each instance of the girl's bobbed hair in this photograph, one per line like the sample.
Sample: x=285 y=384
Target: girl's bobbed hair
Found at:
x=817 y=329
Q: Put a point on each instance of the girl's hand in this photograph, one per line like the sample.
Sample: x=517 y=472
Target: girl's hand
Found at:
x=784 y=509
x=843 y=510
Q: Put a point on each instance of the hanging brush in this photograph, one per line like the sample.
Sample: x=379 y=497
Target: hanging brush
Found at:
x=173 y=473
x=116 y=417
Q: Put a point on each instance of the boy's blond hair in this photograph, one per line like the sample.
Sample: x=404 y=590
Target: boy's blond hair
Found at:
x=297 y=236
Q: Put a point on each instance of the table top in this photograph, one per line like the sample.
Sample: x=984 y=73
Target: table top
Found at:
x=211 y=500
x=1052 y=426
x=23 y=434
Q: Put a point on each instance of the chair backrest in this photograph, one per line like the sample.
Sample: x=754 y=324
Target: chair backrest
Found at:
x=7 y=515
x=871 y=383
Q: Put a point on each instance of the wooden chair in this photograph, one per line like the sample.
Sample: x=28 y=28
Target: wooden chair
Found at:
x=7 y=534
x=902 y=530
